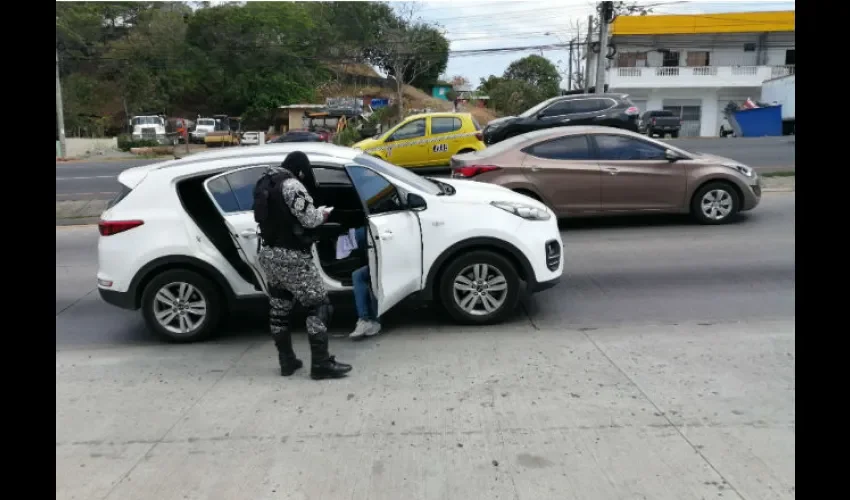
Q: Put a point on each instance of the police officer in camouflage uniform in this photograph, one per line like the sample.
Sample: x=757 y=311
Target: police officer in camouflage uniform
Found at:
x=284 y=209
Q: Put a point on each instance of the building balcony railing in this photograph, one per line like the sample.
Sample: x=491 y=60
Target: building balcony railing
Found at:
x=694 y=76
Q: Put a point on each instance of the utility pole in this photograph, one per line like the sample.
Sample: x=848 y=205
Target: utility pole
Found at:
x=60 y=115
x=588 y=49
x=570 y=68
x=605 y=17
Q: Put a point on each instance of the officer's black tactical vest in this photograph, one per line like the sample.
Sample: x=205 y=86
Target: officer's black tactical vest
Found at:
x=278 y=226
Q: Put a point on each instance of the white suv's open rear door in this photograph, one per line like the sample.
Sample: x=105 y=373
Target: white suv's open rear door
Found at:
x=243 y=229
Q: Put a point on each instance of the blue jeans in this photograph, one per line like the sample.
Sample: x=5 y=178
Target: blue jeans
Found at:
x=364 y=301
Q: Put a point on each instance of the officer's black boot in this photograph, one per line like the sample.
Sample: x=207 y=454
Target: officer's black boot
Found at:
x=286 y=355
x=280 y=308
x=324 y=365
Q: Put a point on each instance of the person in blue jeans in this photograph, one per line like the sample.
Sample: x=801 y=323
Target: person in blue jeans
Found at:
x=368 y=323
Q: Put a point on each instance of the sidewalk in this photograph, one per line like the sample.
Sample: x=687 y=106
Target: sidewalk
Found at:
x=662 y=412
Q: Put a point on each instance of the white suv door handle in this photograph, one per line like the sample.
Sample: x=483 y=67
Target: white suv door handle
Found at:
x=611 y=170
x=249 y=233
x=535 y=168
x=387 y=235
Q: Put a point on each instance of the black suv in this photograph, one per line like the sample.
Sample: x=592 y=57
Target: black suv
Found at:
x=610 y=110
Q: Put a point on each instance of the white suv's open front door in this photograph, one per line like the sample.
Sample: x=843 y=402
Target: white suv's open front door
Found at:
x=240 y=223
x=395 y=253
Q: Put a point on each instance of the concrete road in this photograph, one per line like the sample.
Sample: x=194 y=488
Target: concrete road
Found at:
x=98 y=179
x=619 y=271
x=766 y=154
x=663 y=367
x=92 y=180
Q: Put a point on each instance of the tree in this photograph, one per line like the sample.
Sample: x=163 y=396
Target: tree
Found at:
x=240 y=58
x=459 y=81
x=512 y=97
x=351 y=30
x=410 y=51
x=489 y=84
x=433 y=57
x=579 y=53
x=251 y=59
x=538 y=72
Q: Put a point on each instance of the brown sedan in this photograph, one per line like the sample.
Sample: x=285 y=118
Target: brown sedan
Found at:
x=591 y=171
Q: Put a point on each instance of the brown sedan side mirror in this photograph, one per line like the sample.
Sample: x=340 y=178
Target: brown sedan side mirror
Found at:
x=671 y=155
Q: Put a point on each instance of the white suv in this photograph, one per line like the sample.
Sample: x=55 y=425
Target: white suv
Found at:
x=180 y=241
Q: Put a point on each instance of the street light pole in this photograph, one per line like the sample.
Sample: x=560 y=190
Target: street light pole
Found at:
x=588 y=50
x=60 y=114
x=606 y=13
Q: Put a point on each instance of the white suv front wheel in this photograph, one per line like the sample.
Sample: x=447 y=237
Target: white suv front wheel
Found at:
x=479 y=287
x=181 y=306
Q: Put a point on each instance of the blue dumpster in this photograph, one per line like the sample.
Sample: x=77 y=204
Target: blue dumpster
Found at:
x=758 y=122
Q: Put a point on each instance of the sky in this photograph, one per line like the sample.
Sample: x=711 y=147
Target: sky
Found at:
x=479 y=24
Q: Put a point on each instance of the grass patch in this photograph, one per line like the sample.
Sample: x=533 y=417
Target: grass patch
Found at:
x=778 y=174
x=154 y=157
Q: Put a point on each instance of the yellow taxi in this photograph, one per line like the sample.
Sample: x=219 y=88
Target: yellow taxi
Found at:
x=426 y=140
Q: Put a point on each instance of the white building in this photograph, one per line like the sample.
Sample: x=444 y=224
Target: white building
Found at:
x=694 y=65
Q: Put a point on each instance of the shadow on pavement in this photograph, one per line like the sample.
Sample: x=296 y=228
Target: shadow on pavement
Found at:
x=637 y=221
x=407 y=318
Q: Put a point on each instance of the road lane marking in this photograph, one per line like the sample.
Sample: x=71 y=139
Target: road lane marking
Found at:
x=107 y=193
x=86 y=178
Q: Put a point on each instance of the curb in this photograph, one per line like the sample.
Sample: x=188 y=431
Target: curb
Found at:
x=79 y=222
x=110 y=160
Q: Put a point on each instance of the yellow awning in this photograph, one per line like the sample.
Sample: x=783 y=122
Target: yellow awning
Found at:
x=733 y=22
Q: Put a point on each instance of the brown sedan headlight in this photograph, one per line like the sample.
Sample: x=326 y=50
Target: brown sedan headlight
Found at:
x=743 y=169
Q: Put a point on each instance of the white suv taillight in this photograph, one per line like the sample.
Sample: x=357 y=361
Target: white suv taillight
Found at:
x=110 y=227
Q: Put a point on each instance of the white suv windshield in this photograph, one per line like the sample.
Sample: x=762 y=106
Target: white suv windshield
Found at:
x=207 y=123
x=398 y=173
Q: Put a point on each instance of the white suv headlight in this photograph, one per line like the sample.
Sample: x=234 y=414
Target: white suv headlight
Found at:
x=527 y=212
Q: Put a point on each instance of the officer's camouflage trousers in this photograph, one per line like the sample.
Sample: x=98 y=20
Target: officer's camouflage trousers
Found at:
x=291 y=276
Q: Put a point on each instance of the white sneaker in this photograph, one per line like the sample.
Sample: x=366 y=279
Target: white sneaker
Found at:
x=373 y=328
x=360 y=330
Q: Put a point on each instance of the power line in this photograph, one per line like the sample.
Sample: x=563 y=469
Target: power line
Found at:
x=513 y=14
x=471 y=5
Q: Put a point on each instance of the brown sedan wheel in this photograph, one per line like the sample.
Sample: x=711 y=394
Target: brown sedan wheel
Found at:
x=715 y=203
x=528 y=193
